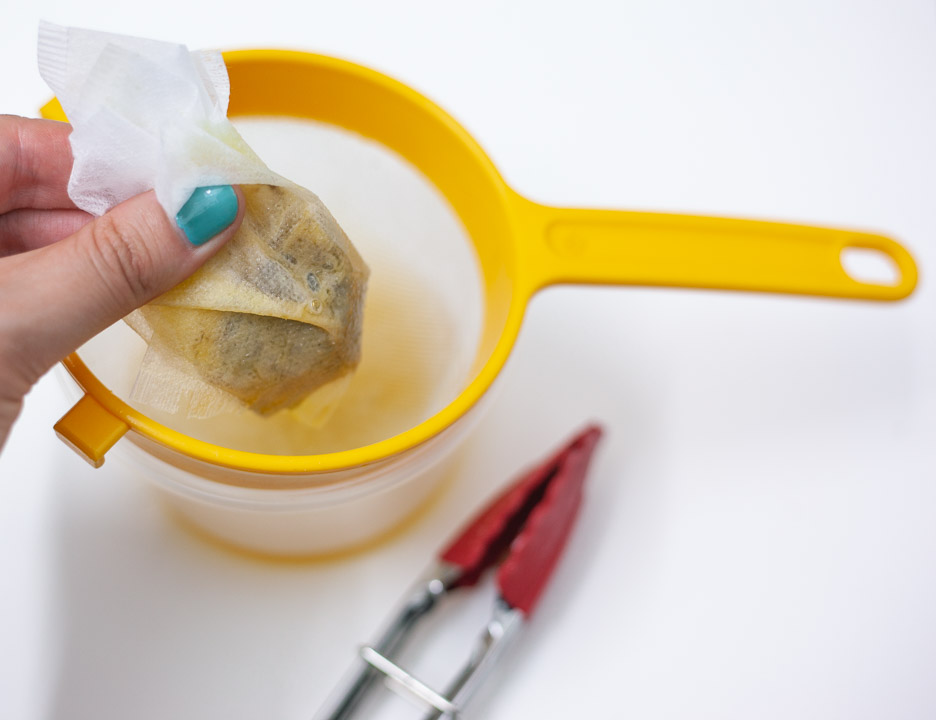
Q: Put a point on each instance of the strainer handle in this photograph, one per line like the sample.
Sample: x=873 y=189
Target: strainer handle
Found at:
x=637 y=248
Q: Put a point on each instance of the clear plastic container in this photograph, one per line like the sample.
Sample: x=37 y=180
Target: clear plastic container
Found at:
x=347 y=509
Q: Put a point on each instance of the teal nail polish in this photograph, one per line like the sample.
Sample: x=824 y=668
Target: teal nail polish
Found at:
x=207 y=212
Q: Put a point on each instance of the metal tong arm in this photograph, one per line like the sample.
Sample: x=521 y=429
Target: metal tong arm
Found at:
x=494 y=639
x=422 y=599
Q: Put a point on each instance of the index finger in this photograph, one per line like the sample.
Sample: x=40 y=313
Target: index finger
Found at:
x=35 y=162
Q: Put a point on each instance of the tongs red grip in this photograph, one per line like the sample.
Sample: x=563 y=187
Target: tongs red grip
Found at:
x=529 y=523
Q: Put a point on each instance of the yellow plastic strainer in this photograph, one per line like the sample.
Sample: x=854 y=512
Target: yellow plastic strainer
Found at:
x=522 y=247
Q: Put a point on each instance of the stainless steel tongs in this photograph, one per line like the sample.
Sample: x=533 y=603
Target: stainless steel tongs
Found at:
x=524 y=530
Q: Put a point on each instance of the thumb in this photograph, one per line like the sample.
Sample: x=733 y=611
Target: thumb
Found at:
x=57 y=297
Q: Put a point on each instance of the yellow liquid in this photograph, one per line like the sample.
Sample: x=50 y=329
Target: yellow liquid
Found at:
x=407 y=340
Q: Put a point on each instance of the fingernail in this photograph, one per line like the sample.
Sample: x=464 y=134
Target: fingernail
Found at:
x=207 y=212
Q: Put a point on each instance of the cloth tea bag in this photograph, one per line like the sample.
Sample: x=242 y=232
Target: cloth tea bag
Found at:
x=274 y=319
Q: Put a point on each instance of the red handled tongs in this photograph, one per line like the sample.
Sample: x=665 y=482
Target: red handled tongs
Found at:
x=525 y=530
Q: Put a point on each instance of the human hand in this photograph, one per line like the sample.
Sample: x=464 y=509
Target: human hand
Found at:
x=64 y=275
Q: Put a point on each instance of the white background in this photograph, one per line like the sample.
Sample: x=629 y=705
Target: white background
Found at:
x=759 y=536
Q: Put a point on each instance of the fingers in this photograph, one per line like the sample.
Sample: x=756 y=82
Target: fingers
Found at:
x=35 y=162
x=54 y=298
x=27 y=229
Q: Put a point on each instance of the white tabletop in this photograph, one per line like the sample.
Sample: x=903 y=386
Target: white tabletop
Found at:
x=758 y=536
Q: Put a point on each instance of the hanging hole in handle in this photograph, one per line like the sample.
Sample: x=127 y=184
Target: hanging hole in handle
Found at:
x=870 y=266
